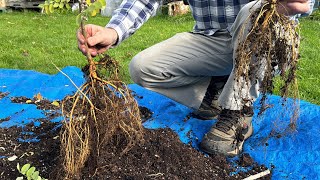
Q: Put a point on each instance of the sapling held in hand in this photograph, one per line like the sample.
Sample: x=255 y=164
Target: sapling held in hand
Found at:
x=102 y=111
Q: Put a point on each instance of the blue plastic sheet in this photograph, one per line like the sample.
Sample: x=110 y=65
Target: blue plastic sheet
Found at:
x=294 y=155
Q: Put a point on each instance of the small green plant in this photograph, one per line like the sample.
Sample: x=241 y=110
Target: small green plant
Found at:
x=29 y=172
x=91 y=9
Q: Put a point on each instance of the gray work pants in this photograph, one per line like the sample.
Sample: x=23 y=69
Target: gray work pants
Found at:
x=181 y=67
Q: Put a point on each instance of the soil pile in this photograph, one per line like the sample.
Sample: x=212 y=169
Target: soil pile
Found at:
x=161 y=156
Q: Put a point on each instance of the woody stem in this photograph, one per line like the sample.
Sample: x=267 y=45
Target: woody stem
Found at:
x=91 y=62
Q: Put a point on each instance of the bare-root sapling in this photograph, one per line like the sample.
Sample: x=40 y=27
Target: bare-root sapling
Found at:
x=101 y=111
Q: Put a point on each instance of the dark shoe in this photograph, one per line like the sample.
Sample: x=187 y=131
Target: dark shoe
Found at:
x=207 y=110
x=210 y=108
x=228 y=134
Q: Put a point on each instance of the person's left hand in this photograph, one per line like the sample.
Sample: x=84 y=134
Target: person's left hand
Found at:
x=293 y=7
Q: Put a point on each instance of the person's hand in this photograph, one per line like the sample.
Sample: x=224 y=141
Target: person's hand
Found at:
x=100 y=39
x=293 y=7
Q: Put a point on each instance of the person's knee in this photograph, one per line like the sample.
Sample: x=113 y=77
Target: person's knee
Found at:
x=136 y=66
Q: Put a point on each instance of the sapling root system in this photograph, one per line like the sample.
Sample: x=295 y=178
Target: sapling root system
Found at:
x=269 y=47
x=101 y=111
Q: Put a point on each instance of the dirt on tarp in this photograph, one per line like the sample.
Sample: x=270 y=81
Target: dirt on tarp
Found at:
x=161 y=156
x=3 y=94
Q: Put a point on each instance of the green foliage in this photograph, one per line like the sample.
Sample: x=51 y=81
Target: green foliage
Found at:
x=29 y=172
x=51 y=6
x=315 y=15
x=92 y=10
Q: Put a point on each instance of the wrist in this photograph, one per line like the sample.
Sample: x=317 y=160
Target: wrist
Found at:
x=114 y=35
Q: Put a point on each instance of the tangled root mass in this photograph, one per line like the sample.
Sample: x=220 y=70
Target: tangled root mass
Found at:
x=269 y=48
x=100 y=112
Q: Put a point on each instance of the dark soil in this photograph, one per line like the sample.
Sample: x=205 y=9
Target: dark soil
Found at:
x=3 y=94
x=145 y=113
x=162 y=156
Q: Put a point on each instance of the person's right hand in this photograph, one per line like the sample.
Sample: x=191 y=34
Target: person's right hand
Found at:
x=100 y=39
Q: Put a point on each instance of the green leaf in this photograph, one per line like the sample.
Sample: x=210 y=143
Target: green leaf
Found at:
x=19 y=178
x=97 y=5
x=61 y=5
x=56 y=5
x=41 y=6
x=25 y=168
x=78 y=19
x=63 y=0
x=51 y=8
x=46 y=9
x=91 y=8
x=68 y=6
x=93 y=13
x=35 y=175
x=103 y=3
x=30 y=171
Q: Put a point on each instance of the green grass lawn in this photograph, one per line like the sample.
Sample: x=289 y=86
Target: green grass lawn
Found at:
x=35 y=41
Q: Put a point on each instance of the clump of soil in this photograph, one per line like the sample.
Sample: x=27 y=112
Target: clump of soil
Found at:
x=3 y=94
x=161 y=156
x=145 y=113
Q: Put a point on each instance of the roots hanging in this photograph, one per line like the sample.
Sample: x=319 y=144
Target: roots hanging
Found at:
x=270 y=47
x=102 y=111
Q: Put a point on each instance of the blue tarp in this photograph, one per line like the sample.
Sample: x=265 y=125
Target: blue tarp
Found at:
x=294 y=155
